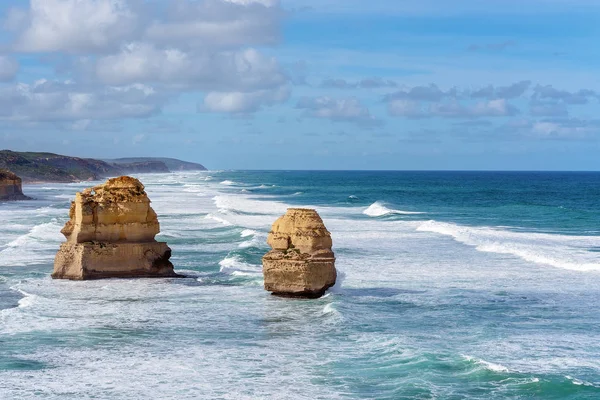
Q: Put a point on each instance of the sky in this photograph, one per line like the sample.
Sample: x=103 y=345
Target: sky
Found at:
x=306 y=84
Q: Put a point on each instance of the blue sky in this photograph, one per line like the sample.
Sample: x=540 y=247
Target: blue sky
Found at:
x=306 y=84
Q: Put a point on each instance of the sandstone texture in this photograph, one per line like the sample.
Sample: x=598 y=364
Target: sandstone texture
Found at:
x=111 y=233
x=11 y=186
x=301 y=262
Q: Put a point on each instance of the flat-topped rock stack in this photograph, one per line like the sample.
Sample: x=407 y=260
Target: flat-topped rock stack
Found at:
x=111 y=233
x=11 y=186
x=301 y=263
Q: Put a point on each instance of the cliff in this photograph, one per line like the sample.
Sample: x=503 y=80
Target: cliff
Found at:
x=111 y=233
x=301 y=262
x=10 y=186
x=172 y=164
x=50 y=167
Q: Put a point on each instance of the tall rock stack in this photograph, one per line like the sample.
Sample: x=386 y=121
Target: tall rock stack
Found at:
x=111 y=233
x=301 y=263
x=11 y=186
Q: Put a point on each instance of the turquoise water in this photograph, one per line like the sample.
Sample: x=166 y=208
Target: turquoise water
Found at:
x=453 y=286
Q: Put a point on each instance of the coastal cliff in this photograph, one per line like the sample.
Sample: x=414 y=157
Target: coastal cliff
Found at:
x=50 y=167
x=10 y=186
x=111 y=233
x=301 y=263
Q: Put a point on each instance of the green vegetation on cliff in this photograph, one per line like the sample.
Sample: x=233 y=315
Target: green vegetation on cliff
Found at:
x=49 y=167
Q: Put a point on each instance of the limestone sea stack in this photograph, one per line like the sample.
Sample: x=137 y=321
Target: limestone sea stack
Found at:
x=301 y=263
x=111 y=233
x=11 y=186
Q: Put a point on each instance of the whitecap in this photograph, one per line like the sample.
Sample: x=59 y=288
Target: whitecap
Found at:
x=228 y=183
x=377 y=209
x=232 y=265
x=27 y=300
x=560 y=251
x=218 y=219
x=486 y=364
x=329 y=309
x=248 y=232
x=341 y=276
x=578 y=382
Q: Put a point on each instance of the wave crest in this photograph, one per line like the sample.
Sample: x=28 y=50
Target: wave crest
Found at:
x=560 y=251
x=377 y=209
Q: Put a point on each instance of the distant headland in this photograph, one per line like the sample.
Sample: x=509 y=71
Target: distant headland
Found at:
x=50 y=167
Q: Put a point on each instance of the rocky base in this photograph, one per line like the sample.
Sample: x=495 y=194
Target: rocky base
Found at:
x=93 y=260
x=11 y=187
x=14 y=197
x=298 y=276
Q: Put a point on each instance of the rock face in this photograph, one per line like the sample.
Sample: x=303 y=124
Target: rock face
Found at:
x=301 y=262
x=10 y=186
x=111 y=235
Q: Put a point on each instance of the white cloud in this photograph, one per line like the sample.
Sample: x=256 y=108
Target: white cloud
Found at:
x=566 y=129
x=72 y=25
x=406 y=108
x=492 y=108
x=66 y=101
x=217 y=24
x=347 y=109
x=116 y=46
x=239 y=102
x=243 y=70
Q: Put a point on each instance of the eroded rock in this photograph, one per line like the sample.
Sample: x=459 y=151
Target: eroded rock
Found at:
x=11 y=186
x=111 y=233
x=301 y=262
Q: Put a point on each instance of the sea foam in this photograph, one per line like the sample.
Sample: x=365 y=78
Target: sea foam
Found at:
x=232 y=265
x=486 y=364
x=560 y=251
x=377 y=209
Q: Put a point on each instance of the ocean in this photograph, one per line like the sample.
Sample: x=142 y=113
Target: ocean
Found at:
x=452 y=285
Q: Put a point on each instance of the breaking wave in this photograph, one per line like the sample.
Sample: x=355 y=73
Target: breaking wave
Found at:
x=377 y=209
x=232 y=265
x=560 y=251
x=486 y=364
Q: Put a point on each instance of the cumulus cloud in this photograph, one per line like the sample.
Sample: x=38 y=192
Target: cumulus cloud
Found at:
x=243 y=70
x=217 y=24
x=347 y=109
x=90 y=26
x=61 y=101
x=72 y=25
x=115 y=46
x=240 y=102
x=565 y=129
